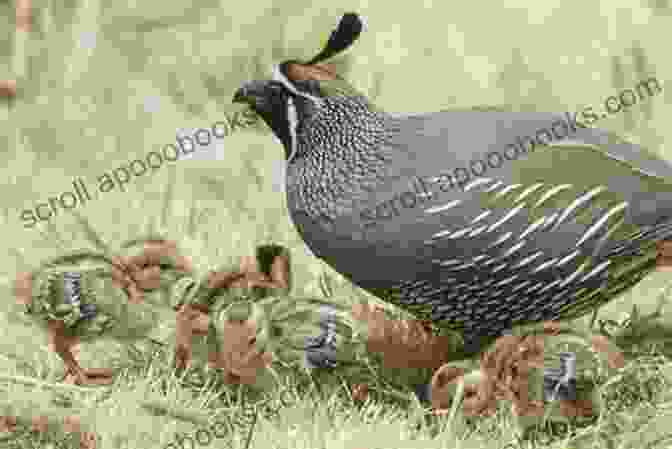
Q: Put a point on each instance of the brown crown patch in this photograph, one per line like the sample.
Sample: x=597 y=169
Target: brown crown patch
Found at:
x=317 y=72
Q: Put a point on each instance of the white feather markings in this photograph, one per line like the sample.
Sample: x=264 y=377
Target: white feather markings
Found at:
x=552 y=192
x=499 y=268
x=529 y=190
x=573 y=276
x=568 y=257
x=528 y=259
x=596 y=270
x=444 y=207
x=514 y=248
x=476 y=182
x=460 y=233
x=531 y=228
x=442 y=233
x=545 y=265
x=506 y=190
x=495 y=186
x=507 y=281
x=502 y=238
x=593 y=229
x=481 y=216
x=550 y=286
x=477 y=231
x=447 y=263
x=578 y=202
x=521 y=285
x=508 y=215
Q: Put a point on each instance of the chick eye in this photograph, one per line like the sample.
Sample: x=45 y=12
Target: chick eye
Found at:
x=253 y=341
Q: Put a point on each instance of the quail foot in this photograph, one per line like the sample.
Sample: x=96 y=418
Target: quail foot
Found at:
x=476 y=219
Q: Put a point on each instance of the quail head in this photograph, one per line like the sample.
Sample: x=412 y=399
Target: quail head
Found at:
x=477 y=219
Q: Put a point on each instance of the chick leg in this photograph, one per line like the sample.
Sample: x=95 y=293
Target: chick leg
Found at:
x=63 y=345
x=191 y=321
x=72 y=424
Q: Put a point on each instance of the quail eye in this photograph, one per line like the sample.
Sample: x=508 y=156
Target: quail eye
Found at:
x=309 y=85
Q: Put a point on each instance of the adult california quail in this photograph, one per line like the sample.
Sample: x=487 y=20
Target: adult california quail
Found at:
x=478 y=220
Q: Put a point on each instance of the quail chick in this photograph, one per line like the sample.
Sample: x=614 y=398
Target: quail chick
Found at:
x=83 y=295
x=266 y=274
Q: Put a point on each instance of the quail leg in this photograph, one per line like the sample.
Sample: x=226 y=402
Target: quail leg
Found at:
x=246 y=369
x=191 y=320
x=239 y=358
x=24 y=15
x=23 y=288
x=72 y=424
x=63 y=345
x=8 y=423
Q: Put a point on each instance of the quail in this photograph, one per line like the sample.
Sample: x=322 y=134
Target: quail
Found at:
x=477 y=219
x=246 y=336
x=261 y=279
x=84 y=295
x=266 y=274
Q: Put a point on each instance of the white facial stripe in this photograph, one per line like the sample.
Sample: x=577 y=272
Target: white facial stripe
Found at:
x=365 y=25
x=292 y=118
x=279 y=76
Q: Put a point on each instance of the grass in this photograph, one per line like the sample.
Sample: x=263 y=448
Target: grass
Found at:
x=150 y=407
x=101 y=84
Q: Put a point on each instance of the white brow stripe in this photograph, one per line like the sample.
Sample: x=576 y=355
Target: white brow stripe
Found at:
x=293 y=122
x=280 y=77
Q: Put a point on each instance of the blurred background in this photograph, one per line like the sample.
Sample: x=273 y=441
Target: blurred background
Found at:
x=102 y=83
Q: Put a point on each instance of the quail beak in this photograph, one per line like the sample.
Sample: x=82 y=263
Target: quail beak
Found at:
x=250 y=92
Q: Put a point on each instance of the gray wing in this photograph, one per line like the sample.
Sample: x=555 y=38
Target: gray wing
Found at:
x=547 y=234
x=470 y=134
x=544 y=235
